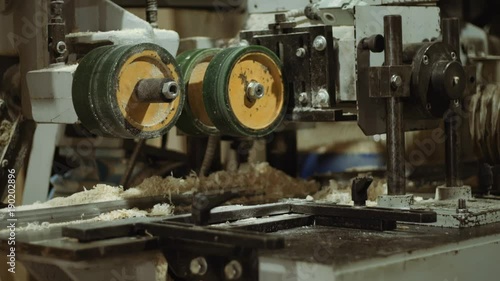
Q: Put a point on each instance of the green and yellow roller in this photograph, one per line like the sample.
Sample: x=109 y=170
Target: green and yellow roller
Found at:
x=233 y=92
x=128 y=91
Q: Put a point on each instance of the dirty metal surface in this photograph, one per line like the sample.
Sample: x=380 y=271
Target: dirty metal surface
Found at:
x=342 y=246
x=478 y=212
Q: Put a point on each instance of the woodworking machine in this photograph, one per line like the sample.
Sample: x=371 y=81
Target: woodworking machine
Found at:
x=392 y=66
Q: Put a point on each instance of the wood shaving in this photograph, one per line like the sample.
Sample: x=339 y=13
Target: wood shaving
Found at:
x=161 y=210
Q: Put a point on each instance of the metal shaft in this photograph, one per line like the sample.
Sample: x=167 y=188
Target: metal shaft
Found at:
x=157 y=90
x=451 y=35
x=396 y=180
x=152 y=13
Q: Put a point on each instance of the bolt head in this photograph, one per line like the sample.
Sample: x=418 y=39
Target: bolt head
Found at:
x=396 y=82
x=320 y=43
x=456 y=80
x=255 y=90
x=198 y=266
x=301 y=52
x=170 y=90
x=4 y=163
x=61 y=47
x=425 y=59
x=233 y=270
x=453 y=55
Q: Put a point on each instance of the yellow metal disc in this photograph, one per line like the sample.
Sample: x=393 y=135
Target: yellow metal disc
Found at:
x=145 y=116
x=260 y=113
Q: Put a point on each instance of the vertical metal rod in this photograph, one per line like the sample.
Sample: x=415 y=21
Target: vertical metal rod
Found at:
x=152 y=12
x=396 y=180
x=451 y=35
x=56 y=31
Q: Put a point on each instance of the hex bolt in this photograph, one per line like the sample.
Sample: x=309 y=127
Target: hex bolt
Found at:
x=255 y=90
x=198 y=266
x=170 y=90
x=456 y=80
x=453 y=55
x=320 y=43
x=301 y=52
x=303 y=99
x=396 y=82
x=244 y=43
x=4 y=163
x=425 y=59
x=233 y=270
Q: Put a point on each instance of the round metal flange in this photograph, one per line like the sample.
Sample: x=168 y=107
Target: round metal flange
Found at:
x=194 y=119
x=437 y=79
x=244 y=91
x=111 y=106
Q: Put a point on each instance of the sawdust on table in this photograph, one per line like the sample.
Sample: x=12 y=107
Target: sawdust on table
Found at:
x=270 y=184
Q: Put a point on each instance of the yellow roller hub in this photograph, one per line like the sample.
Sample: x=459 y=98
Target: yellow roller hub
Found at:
x=105 y=91
x=259 y=113
x=145 y=116
x=244 y=92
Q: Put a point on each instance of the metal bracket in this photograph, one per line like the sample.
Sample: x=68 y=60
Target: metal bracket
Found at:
x=390 y=81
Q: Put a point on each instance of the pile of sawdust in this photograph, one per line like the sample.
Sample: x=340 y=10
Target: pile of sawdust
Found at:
x=261 y=179
x=100 y=193
x=157 y=210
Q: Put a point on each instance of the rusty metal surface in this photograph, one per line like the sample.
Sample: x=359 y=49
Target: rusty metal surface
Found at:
x=345 y=246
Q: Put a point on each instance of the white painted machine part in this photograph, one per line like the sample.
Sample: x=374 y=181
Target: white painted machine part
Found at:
x=51 y=98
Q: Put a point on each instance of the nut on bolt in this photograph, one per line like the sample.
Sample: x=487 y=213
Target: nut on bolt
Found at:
x=170 y=90
x=198 y=266
x=233 y=270
x=320 y=43
x=255 y=90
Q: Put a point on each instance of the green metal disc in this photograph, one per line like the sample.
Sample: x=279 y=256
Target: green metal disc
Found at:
x=81 y=93
x=225 y=91
x=194 y=120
